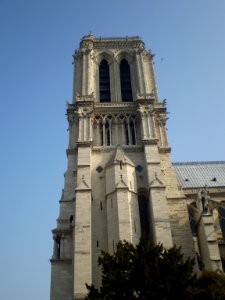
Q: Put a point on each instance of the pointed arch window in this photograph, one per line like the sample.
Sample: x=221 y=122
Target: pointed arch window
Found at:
x=125 y=81
x=104 y=82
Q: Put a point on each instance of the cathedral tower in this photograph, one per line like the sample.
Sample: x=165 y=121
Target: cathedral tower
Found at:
x=120 y=182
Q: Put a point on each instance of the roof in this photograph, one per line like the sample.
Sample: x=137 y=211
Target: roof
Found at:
x=200 y=174
x=119 y=156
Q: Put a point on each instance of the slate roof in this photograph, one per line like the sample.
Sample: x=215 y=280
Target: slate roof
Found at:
x=200 y=174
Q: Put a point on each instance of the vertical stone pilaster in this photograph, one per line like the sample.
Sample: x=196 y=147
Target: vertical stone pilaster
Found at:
x=139 y=75
x=82 y=232
x=84 y=74
x=157 y=198
x=208 y=244
x=117 y=85
x=142 y=73
x=154 y=83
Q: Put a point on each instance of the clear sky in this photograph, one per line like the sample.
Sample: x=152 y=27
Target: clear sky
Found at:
x=37 y=40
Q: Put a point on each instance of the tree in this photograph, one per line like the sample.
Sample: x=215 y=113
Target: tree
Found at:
x=209 y=286
x=145 y=271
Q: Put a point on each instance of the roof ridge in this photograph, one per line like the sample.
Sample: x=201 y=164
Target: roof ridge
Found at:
x=198 y=162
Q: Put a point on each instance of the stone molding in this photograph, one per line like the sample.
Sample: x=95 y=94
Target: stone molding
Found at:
x=164 y=150
x=61 y=232
x=61 y=261
x=126 y=148
x=66 y=201
x=153 y=141
x=84 y=143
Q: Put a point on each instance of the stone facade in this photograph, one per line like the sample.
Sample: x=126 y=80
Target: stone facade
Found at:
x=120 y=181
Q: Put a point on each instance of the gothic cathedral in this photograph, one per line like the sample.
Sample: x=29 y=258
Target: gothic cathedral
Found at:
x=120 y=182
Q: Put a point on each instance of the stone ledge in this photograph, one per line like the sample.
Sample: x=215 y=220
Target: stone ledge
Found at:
x=62 y=231
x=61 y=261
x=126 y=148
x=84 y=143
x=153 y=141
x=164 y=149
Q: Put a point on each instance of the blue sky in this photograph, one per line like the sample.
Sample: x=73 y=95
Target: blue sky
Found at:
x=37 y=40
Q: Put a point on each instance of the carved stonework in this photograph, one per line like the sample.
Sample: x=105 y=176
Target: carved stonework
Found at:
x=161 y=119
x=85 y=98
x=85 y=111
x=71 y=117
x=145 y=109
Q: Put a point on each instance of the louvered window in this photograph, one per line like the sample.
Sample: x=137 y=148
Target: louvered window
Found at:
x=104 y=82
x=125 y=81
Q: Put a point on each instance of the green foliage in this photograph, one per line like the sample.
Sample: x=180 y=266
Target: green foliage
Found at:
x=150 y=271
x=143 y=272
x=208 y=286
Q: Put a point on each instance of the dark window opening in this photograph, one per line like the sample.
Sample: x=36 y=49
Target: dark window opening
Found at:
x=221 y=212
x=126 y=134
x=97 y=244
x=139 y=169
x=204 y=207
x=104 y=82
x=101 y=205
x=107 y=128
x=125 y=81
x=101 y=135
x=144 y=216
x=58 y=242
x=193 y=226
x=132 y=129
x=71 y=220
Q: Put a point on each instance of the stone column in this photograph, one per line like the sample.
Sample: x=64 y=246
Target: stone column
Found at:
x=129 y=134
x=117 y=86
x=148 y=125
x=84 y=74
x=135 y=133
x=139 y=75
x=143 y=74
x=152 y=126
x=80 y=138
x=103 y=129
x=90 y=128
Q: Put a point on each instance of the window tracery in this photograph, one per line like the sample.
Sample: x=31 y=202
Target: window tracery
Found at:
x=115 y=129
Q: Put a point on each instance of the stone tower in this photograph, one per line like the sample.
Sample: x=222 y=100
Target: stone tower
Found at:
x=120 y=182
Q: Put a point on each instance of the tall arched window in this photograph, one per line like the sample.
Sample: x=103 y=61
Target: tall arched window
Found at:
x=125 y=81
x=104 y=82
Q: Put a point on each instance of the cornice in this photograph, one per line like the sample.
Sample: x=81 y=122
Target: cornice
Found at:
x=150 y=141
x=126 y=148
x=115 y=104
x=164 y=150
x=84 y=143
x=61 y=231
x=61 y=261
x=213 y=191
